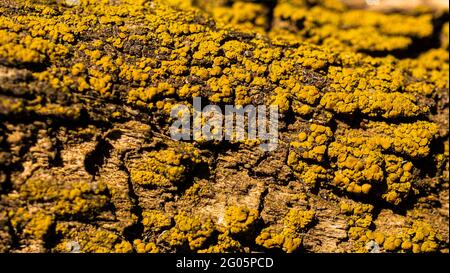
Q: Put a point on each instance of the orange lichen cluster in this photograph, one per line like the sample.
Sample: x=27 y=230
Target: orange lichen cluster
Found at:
x=361 y=117
x=287 y=237
x=164 y=168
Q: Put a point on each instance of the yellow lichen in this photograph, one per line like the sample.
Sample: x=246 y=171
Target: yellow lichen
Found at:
x=287 y=237
x=239 y=219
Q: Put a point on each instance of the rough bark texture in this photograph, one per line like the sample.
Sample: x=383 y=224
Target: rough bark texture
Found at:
x=87 y=163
